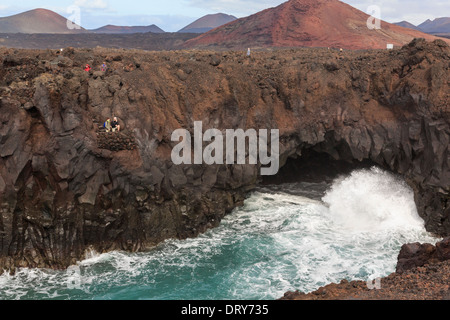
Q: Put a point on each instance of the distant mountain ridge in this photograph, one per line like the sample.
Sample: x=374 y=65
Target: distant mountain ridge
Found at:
x=38 y=21
x=406 y=24
x=438 y=25
x=48 y=22
x=112 y=29
x=207 y=23
x=295 y=23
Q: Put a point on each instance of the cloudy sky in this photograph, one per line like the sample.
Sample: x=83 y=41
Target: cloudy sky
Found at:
x=172 y=15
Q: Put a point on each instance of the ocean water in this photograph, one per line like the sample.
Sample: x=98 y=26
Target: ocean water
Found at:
x=297 y=236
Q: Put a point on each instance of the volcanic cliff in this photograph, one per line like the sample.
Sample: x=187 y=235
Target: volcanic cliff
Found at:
x=67 y=186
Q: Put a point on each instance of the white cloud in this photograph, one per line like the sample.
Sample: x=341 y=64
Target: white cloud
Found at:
x=238 y=8
x=413 y=11
x=91 y=4
x=391 y=10
x=417 y=19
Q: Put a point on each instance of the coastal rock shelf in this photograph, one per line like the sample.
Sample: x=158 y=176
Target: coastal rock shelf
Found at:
x=63 y=192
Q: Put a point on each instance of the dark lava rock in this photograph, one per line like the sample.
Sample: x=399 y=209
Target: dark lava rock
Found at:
x=65 y=187
x=414 y=255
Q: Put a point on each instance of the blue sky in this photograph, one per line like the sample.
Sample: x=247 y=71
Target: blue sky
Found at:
x=172 y=15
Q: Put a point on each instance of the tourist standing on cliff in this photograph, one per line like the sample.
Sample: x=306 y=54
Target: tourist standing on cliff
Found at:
x=248 y=52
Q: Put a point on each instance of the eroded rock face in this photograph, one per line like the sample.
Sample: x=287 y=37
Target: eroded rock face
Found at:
x=62 y=190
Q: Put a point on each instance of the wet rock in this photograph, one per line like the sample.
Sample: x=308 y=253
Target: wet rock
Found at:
x=413 y=255
x=443 y=250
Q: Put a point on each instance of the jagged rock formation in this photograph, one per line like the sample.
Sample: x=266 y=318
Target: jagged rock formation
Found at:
x=60 y=193
x=414 y=255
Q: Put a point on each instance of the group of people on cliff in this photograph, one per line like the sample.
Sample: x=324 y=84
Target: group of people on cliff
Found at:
x=112 y=126
x=103 y=67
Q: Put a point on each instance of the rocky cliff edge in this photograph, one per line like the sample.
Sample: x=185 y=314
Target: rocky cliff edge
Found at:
x=65 y=187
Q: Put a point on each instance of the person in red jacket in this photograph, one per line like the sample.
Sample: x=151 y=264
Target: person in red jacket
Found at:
x=87 y=68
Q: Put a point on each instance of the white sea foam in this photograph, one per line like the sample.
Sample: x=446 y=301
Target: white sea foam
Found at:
x=278 y=241
x=370 y=200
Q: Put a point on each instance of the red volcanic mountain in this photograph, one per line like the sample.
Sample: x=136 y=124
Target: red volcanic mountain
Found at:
x=307 y=23
x=37 y=21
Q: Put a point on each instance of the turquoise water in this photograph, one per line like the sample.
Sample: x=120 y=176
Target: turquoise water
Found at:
x=292 y=237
